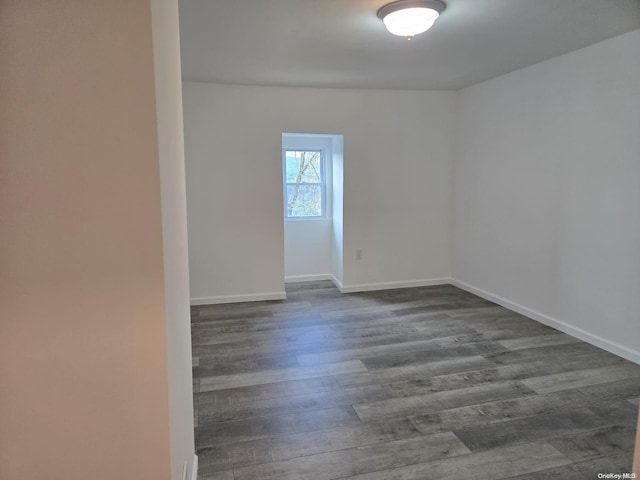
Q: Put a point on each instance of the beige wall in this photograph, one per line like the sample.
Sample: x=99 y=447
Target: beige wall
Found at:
x=83 y=358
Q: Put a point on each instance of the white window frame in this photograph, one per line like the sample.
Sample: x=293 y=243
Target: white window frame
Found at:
x=322 y=183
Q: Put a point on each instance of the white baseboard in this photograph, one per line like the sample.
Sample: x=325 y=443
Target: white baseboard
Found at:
x=308 y=278
x=259 y=297
x=337 y=283
x=577 y=332
x=368 y=287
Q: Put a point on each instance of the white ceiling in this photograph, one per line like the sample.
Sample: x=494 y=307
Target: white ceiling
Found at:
x=341 y=43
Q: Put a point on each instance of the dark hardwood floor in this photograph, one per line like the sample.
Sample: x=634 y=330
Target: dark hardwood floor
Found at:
x=420 y=383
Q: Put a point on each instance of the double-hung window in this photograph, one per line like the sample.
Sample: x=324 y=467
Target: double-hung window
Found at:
x=304 y=183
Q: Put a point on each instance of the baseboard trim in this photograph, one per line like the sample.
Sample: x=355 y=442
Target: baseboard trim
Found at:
x=337 y=283
x=577 y=332
x=308 y=278
x=258 y=297
x=368 y=287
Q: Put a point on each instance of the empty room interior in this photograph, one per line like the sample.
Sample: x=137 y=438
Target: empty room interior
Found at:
x=320 y=239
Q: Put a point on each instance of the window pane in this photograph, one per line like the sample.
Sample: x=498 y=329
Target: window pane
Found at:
x=292 y=165
x=304 y=200
x=303 y=167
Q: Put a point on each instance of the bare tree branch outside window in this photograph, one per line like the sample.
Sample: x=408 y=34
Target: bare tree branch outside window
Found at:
x=303 y=172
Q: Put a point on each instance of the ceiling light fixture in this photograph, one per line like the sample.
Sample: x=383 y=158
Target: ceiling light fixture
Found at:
x=407 y=18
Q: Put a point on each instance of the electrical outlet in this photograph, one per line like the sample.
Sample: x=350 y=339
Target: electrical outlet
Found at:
x=358 y=254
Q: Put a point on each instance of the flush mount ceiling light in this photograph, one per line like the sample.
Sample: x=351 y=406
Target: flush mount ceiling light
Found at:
x=407 y=18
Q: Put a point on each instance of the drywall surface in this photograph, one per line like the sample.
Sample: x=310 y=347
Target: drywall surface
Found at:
x=547 y=190
x=307 y=245
x=337 y=207
x=168 y=88
x=397 y=179
x=83 y=347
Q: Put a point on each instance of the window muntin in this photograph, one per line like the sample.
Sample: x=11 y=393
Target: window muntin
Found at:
x=304 y=180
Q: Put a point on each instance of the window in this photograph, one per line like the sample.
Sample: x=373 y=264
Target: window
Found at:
x=304 y=183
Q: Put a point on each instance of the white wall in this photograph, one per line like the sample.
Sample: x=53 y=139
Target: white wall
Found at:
x=337 y=229
x=166 y=54
x=397 y=180
x=547 y=191
x=307 y=242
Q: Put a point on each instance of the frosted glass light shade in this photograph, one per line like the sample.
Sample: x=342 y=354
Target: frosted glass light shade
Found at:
x=407 y=18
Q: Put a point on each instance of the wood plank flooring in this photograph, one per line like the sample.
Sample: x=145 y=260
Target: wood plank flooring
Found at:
x=420 y=383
